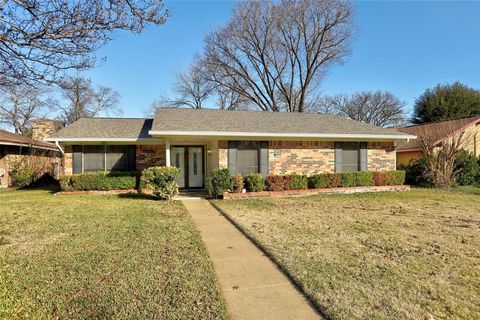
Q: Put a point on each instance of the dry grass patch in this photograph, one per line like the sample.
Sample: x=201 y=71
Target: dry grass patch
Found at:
x=102 y=257
x=402 y=255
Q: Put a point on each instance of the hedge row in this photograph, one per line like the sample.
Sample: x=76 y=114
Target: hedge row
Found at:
x=113 y=180
x=221 y=181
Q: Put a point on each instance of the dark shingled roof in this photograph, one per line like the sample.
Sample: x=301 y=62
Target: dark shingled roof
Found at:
x=169 y=119
x=172 y=120
x=17 y=139
x=436 y=130
x=106 y=128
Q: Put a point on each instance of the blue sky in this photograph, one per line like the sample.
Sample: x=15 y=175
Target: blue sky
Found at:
x=404 y=47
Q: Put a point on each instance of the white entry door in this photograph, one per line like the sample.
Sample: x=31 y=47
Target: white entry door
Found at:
x=177 y=159
x=190 y=161
x=195 y=167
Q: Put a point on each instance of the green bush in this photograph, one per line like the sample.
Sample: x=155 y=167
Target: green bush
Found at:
x=416 y=172
x=162 y=180
x=324 y=180
x=22 y=177
x=237 y=183
x=254 y=182
x=219 y=182
x=114 y=180
x=298 y=182
x=275 y=182
x=356 y=179
x=66 y=183
x=396 y=178
x=466 y=168
x=389 y=178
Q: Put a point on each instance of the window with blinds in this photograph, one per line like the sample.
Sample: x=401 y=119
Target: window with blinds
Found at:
x=350 y=156
x=91 y=158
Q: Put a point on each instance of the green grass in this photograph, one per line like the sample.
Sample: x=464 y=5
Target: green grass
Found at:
x=408 y=255
x=98 y=257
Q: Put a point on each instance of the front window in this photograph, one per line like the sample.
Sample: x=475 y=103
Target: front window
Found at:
x=91 y=158
x=247 y=157
x=350 y=156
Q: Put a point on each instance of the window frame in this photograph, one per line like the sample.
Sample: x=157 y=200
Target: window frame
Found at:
x=362 y=155
x=105 y=152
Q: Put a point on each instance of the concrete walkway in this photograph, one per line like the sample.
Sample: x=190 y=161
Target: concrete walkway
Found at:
x=253 y=286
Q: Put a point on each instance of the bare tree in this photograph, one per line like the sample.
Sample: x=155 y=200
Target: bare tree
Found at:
x=378 y=108
x=81 y=99
x=227 y=99
x=440 y=145
x=274 y=54
x=41 y=39
x=191 y=88
x=20 y=104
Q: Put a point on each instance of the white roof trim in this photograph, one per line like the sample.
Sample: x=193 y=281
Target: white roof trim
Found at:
x=284 y=135
x=101 y=139
x=32 y=145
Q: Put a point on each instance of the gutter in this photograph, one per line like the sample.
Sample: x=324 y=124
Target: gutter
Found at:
x=282 y=135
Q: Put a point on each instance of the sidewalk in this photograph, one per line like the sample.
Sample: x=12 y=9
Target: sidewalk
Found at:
x=253 y=286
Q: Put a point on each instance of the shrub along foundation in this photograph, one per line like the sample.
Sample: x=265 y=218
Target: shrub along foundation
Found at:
x=311 y=192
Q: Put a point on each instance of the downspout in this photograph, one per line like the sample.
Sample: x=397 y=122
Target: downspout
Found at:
x=59 y=147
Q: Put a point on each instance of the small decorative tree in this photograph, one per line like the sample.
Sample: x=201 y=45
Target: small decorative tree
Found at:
x=440 y=145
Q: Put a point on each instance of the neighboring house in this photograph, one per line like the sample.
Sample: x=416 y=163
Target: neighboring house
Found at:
x=18 y=150
x=439 y=132
x=198 y=141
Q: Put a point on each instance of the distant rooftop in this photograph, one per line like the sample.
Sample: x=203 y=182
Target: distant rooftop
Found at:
x=8 y=138
x=436 y=130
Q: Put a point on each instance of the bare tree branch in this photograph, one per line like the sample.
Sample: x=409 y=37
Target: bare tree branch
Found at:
x=21 y=104
x=274 y=54
x=440 y=145
x=81 y=99
x=39 y=40
x=378 y=108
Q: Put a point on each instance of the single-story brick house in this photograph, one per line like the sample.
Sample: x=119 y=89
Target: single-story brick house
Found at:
x=19 y=150
x=439 y=132
x=244 y=141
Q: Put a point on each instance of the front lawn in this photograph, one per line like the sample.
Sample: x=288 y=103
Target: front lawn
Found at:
x=399 y=255
x=102 y=257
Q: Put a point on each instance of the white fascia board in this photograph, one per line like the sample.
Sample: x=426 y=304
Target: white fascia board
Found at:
x=103 y=139
x=5 y=143
x=282 y=135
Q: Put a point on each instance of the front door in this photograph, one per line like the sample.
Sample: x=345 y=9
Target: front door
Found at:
x=190 y=160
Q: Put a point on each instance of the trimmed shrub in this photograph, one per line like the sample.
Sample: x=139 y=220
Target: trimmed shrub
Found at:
x=237 y=183
x=220 y=181
x=316 y=181
x=332 y=180
x=389 y=178
x=287 y=182
x=380 y=178
x=396 y=178
x=298 y=182
x=162 y=180
x=66 y=183
x=22 y=177
x=114 y=180
x=466 y=168
x=356 y=179
x=254 y=182
x=275 y=182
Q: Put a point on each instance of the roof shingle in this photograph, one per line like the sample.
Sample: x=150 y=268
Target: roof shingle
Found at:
x=435 y=130
x=106 y=128
x=169 y=119
x=17 y=139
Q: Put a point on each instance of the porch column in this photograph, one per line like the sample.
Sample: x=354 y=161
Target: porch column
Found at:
x=167 y=153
